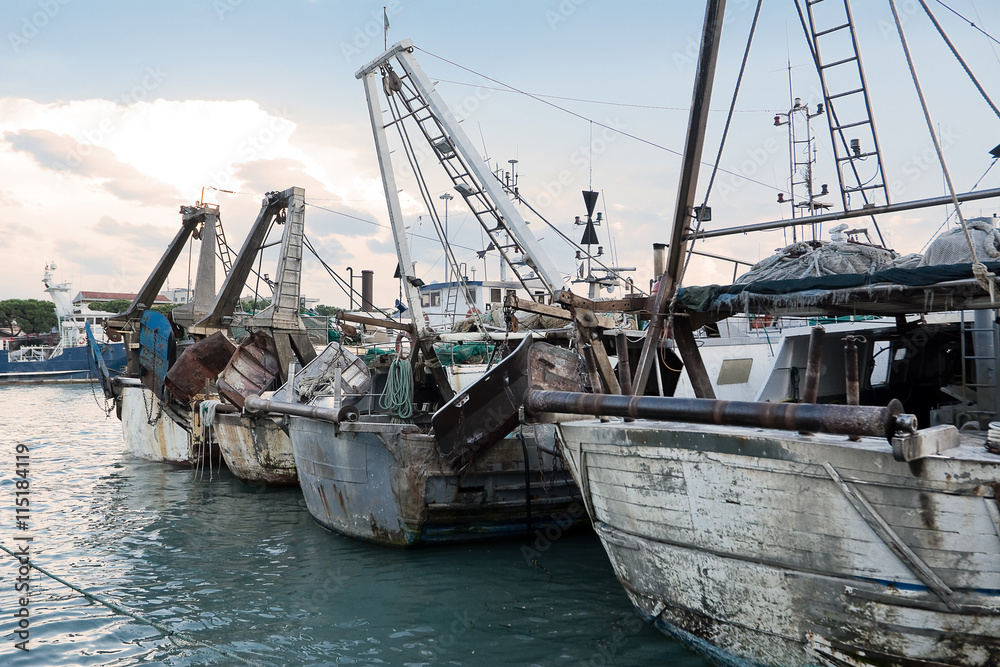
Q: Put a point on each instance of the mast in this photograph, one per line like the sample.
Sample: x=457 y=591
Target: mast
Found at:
x=411 y=284
x=679 y=238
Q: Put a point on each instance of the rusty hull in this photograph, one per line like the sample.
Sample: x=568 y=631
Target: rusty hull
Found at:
x=484 y=413
x=198 y=366
x=251 y=369
x=256 y=448
x=388 y=484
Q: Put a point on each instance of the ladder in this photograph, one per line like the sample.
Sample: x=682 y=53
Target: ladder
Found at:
x=982 y=357
x=834 y=45
x=413 y=105
x=225 y=254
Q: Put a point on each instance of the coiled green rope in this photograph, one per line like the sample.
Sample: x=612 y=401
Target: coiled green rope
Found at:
x=397 y=399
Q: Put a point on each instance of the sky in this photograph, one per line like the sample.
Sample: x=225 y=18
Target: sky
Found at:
x=113 y=114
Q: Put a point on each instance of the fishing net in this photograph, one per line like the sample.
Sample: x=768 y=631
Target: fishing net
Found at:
x=809 y=259
x=951 y=247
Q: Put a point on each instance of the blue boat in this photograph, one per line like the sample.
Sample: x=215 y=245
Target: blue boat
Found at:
x=69 y=360
x=52 y=364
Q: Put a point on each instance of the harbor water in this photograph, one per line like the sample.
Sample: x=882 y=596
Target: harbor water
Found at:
x=163 y=565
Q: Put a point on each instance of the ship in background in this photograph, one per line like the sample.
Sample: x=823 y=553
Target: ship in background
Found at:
x=62 y=356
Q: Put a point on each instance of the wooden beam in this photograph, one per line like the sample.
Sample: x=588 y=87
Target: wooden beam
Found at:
x=375 y=322
x=691 y=356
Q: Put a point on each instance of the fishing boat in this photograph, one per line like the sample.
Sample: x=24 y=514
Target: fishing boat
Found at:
x=68 y=359
x=859 y=525
x=393 y=454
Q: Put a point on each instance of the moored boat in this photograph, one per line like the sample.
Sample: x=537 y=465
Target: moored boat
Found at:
x=815 y=528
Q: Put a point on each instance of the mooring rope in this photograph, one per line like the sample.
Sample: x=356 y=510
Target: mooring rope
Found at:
x=397 y=398
x=139 y=617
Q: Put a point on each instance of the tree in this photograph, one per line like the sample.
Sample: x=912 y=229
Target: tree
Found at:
x=253 y=305
x=113 y=306
x=327 y=311
x=29 y=315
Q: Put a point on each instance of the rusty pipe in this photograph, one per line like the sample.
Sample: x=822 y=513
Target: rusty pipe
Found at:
x=257 y=404
x=852 y=383
x=814 y=363
x=624 y=368
x=838 y=419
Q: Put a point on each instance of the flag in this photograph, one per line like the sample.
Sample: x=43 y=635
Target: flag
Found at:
x=385 y=16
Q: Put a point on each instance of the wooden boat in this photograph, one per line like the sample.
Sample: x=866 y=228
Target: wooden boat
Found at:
x=398 y=484
x=797 y=534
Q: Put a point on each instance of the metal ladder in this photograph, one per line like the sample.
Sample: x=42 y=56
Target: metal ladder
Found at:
x=225 y=254
x=466 y=184
x=834 y=45
x=985 y=386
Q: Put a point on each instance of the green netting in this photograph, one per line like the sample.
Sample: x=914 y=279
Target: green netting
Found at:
x=373 y=353
x=463 y=353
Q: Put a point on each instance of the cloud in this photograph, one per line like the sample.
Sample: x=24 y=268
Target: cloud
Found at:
x=63 y=154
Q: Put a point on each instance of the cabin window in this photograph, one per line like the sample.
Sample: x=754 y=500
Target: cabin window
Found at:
x=882 y=350
x=496 y=295
x=435 y=298
x=734 y=371
x=472 y=295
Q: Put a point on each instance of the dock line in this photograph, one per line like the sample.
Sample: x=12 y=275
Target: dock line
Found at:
x=139 y=617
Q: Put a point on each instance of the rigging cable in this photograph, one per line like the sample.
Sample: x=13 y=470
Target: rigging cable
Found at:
x=983 y=276
x=961 y=61
x=582 y=117
x=722 y=144
x=988 y=35
x=167 y=631
x=408 y=149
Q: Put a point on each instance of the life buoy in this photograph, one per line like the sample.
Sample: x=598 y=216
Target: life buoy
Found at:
x=399 y=344
x=472 y=310
x=81 y=340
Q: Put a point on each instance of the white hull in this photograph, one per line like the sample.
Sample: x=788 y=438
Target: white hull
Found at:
x=151 y=434
x=743 y=544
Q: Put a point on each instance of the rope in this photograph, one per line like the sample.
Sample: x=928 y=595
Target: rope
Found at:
x=139 y=617
x=961 y=61
x=397 y=399
x=979 y=270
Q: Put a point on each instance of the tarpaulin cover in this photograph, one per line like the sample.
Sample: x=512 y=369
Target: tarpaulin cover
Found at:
x=705 y=298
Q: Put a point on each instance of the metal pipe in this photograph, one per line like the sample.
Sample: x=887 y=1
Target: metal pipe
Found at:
x=945 y=200
x=624 y=370
x=837 y=419
x=814 y=363
x=257 y=404
x=853 y=383
x=659 y=259
x=367 y=290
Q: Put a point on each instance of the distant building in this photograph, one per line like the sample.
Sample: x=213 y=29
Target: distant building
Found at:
x=83 y=299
